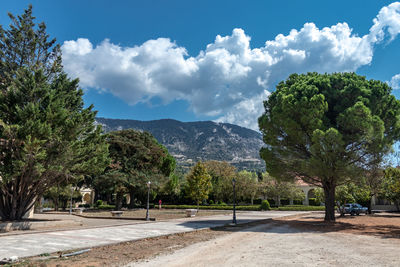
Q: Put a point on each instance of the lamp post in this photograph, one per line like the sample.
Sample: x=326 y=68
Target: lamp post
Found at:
x=148 y=197
x=70 y=204
x=234 y=201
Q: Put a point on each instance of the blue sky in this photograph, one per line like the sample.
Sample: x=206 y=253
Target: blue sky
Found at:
x=163 y=59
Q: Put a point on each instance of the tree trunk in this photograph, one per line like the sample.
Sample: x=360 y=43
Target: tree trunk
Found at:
x=55 y=203
x=132 y=201
x=118 y=201
x=370 y=205
x=329 y=190
x=14 y=206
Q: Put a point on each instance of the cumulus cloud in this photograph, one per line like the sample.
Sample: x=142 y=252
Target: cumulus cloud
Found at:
x=395 y=82
x=228 y=79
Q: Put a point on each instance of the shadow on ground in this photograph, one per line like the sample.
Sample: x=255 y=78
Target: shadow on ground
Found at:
x=349 y=224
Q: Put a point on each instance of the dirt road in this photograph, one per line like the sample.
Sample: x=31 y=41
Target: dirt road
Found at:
x=283 y=245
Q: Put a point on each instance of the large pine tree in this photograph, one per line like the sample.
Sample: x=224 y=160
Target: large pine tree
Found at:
x=46 y=134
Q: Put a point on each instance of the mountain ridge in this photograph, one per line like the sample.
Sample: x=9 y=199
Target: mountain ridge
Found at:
x=189 y=142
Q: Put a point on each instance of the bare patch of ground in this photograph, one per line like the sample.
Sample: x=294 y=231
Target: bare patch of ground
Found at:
x=294 y=241
x=304 y=241
x=385 y=225
x=124 y=253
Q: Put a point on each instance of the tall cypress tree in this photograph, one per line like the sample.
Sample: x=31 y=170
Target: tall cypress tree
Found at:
x=46 y=134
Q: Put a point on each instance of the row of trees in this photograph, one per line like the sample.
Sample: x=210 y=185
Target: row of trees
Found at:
x=212 y=181
x=386 y=186
x=326 y=129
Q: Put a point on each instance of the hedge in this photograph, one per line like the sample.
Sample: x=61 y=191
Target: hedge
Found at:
x=106 y=207
x=300 y=208
x=248 y=207
x=212 y=207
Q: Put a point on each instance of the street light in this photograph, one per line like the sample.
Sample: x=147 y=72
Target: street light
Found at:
x=70 y=204
x=148 y=197
x=234 y=201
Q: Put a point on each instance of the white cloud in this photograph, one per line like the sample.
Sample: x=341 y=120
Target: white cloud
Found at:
x=395 y=82
x=388 y=19
x=228 y=79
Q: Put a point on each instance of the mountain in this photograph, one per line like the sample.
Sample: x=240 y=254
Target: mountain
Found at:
x=189 y=142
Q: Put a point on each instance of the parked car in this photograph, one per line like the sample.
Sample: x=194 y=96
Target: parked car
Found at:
x=354 y=208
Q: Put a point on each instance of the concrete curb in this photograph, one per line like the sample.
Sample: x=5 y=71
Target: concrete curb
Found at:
x=32 y=225
x=113 y=218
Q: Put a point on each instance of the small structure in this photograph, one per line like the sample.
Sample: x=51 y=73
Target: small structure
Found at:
x=191 y=212
x=87 y=195
x=307 y=189
x=78 y=210
x=117 y=213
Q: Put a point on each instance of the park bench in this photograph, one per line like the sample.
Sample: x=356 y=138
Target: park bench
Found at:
x=191 y=212
x=78 y=210
x=117 y=213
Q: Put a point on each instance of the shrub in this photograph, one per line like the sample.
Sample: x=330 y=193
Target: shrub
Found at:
x=257 y=201
x=314 y=202
x=106 y=207
x=297 y=202
x=84 y=206
x=99 y=203
x=211 y=202
x=285 y=201
x=265 y=205
x=214 y=207
x=301 y=208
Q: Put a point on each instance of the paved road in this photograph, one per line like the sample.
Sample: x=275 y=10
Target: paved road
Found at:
x=34 y=244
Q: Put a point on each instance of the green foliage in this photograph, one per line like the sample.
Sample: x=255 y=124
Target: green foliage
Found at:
x=265 y=205
x=277 y=189
x=106 y=207
x=221 y=174
x=248 y=207
x=349 y=193
x=61 y=195
x=198 y=183
x=314 y=202
x=172 y=189
x=246 y=185
x=47 y=137
x=99 y=202
x=137 y=158
x=391 y=185
x=327 y=129
x=213 y=207
x=300 y=208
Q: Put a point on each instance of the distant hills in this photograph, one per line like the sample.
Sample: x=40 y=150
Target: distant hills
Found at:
x=189 y=142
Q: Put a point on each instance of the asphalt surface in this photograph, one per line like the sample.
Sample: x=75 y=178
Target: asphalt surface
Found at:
x=24 y=245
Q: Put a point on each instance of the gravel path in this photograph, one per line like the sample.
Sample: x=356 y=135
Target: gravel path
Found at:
x=282 y=245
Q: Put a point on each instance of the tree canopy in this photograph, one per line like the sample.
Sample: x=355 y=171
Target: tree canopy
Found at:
x=137 y=158
x=221 y=174
x=391 y=186
x=198 y=183
x=46 y=134
x=326 y=129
